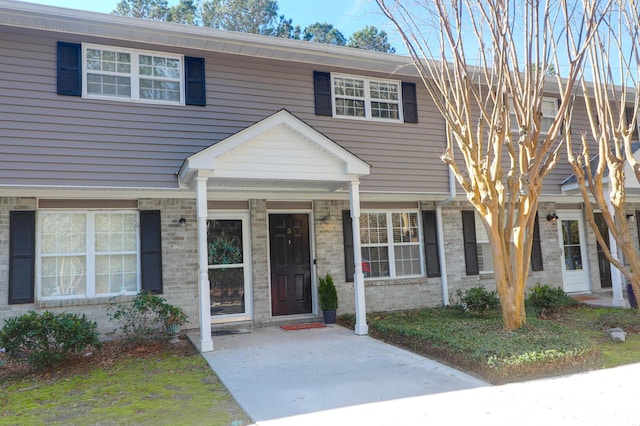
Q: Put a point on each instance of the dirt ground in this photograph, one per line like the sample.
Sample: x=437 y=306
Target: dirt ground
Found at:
x=111 y=353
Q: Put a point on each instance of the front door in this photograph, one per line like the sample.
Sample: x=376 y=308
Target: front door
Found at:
x=603 y=263
x=290 y=264
x=575 y=276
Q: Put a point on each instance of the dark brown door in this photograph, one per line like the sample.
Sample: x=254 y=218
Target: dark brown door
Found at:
x=290 y=264
x=603 y=263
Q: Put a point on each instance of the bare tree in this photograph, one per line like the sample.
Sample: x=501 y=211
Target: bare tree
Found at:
x=611 y=98
x=500 y=146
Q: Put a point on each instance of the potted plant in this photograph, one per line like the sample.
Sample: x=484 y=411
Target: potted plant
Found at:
x=328 y=297
x=172 y=317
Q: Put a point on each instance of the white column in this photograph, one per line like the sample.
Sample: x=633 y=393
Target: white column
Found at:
x=358 y=277
x=616 y=276
x=205 y=343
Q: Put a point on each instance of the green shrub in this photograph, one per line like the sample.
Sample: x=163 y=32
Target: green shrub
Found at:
x=144 y=318
x=327 y=293
x=46 y=339
x=545 y=298
x=478 y=299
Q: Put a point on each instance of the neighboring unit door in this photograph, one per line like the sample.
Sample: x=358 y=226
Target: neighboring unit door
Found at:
x=603 y=263
x=575 y=275
x=290 y=264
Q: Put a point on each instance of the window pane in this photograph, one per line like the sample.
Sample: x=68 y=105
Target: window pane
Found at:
x=485 y=264
x=108 y=85
x=405 y=227
x=116 y=274
x=350 y=107
x=376 y=260
x=63 y=276
x=407 y=260
x=224 y=242
x=227 y=291
x=385 y=110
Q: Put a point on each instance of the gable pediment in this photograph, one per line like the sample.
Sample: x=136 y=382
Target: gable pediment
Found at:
x=281 y=148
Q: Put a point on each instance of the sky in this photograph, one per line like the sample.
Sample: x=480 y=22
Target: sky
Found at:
x=347 y=16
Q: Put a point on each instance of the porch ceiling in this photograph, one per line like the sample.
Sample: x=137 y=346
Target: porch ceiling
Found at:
x=280 y=153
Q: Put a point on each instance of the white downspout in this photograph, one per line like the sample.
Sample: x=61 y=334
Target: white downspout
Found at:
x=443 y=262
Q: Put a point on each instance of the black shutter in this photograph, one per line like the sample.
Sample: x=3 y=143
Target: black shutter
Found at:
x=195 y=90
x=470 y=247
x=347 y=233
x=151 y=251
x=430 y=233
x=322 y=91
x=69 y=69
x=536 y=249
x=22 y=244
x=409 y=102
x=637 y=224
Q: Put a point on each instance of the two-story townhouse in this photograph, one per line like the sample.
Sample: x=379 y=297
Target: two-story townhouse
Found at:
x=226 y=171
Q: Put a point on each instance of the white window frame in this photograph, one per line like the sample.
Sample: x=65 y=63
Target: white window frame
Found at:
x=545 y=99
x=134 y=75
x=89 y=254
x=390 y=245
x=367 y=98
x=482 y=241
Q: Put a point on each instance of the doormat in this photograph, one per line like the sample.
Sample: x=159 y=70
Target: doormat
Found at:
x=302 y=326
x=583 y=298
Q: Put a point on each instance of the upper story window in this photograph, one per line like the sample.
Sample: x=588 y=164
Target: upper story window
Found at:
x=364 y=98
x=390 y=244
x=135 y=75
x=549 y=107
x=369 y=99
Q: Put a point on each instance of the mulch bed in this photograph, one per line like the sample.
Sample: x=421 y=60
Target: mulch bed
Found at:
x=91 y=359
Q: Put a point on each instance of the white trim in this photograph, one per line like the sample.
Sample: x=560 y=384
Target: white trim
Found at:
x=205 y=343
x=366 y=98
x=245 y=217
x=390 y=244
x=89 y=254
x=133 y=75
x=566 y=274
x=204 y=163
x=545 y=99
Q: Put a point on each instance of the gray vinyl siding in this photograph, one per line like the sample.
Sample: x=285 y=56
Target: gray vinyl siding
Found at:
x=47 y=139
x=579 y=125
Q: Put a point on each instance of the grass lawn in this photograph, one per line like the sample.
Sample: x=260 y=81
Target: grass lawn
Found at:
x=570 y=341
x=157 y=385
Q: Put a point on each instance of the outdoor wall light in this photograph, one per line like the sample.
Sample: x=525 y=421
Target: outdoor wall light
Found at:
x=328 y=218
x=631 y=218
x=552 y=217
x=182 y=221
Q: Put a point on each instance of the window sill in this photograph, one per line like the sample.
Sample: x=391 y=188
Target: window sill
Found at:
x=82 y=302
x=378 y=282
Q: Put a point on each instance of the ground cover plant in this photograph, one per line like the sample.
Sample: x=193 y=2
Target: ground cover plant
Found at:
x=155 y=383
x=570 y=340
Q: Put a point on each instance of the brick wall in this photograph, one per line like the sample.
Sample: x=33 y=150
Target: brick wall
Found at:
x=179 y=255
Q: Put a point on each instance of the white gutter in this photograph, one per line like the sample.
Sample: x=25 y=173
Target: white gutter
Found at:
x=443 y=264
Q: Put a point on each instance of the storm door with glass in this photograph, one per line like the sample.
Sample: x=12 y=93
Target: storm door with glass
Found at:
x=575 y=276
x=229 y=274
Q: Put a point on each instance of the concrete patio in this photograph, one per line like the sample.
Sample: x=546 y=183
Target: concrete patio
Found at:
x=331 y=376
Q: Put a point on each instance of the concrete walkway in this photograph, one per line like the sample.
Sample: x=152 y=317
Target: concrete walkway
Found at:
x=331 y=376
